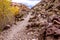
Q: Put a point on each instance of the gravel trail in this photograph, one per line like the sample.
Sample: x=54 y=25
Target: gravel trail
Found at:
x=17 y=31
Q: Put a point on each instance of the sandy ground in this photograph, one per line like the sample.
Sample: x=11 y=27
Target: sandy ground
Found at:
x=17 y=32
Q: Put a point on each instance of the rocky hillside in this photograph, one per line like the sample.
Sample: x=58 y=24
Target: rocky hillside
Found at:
x=18 y=11
x=23 y=10
x=42 y=22
x=46 y=17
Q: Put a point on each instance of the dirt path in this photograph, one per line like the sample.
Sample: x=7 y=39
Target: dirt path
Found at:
x=16 y=30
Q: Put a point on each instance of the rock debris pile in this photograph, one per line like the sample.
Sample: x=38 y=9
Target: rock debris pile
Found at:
x=46 y=17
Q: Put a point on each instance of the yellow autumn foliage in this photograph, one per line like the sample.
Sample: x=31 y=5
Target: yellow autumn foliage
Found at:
x=7 y=13
x=14 y=10
x=6 y=16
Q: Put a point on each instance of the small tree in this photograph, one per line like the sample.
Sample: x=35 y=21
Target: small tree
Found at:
x=6 y=16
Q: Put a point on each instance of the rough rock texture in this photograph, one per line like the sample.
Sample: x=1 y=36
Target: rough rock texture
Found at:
x=23 y=10
x=47 y=15
x=43 y=25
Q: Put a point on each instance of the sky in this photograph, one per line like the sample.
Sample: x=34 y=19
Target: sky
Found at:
x=29 y=3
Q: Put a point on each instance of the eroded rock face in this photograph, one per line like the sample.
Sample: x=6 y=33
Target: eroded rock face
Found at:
x=55 y=27
x=47 y=14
